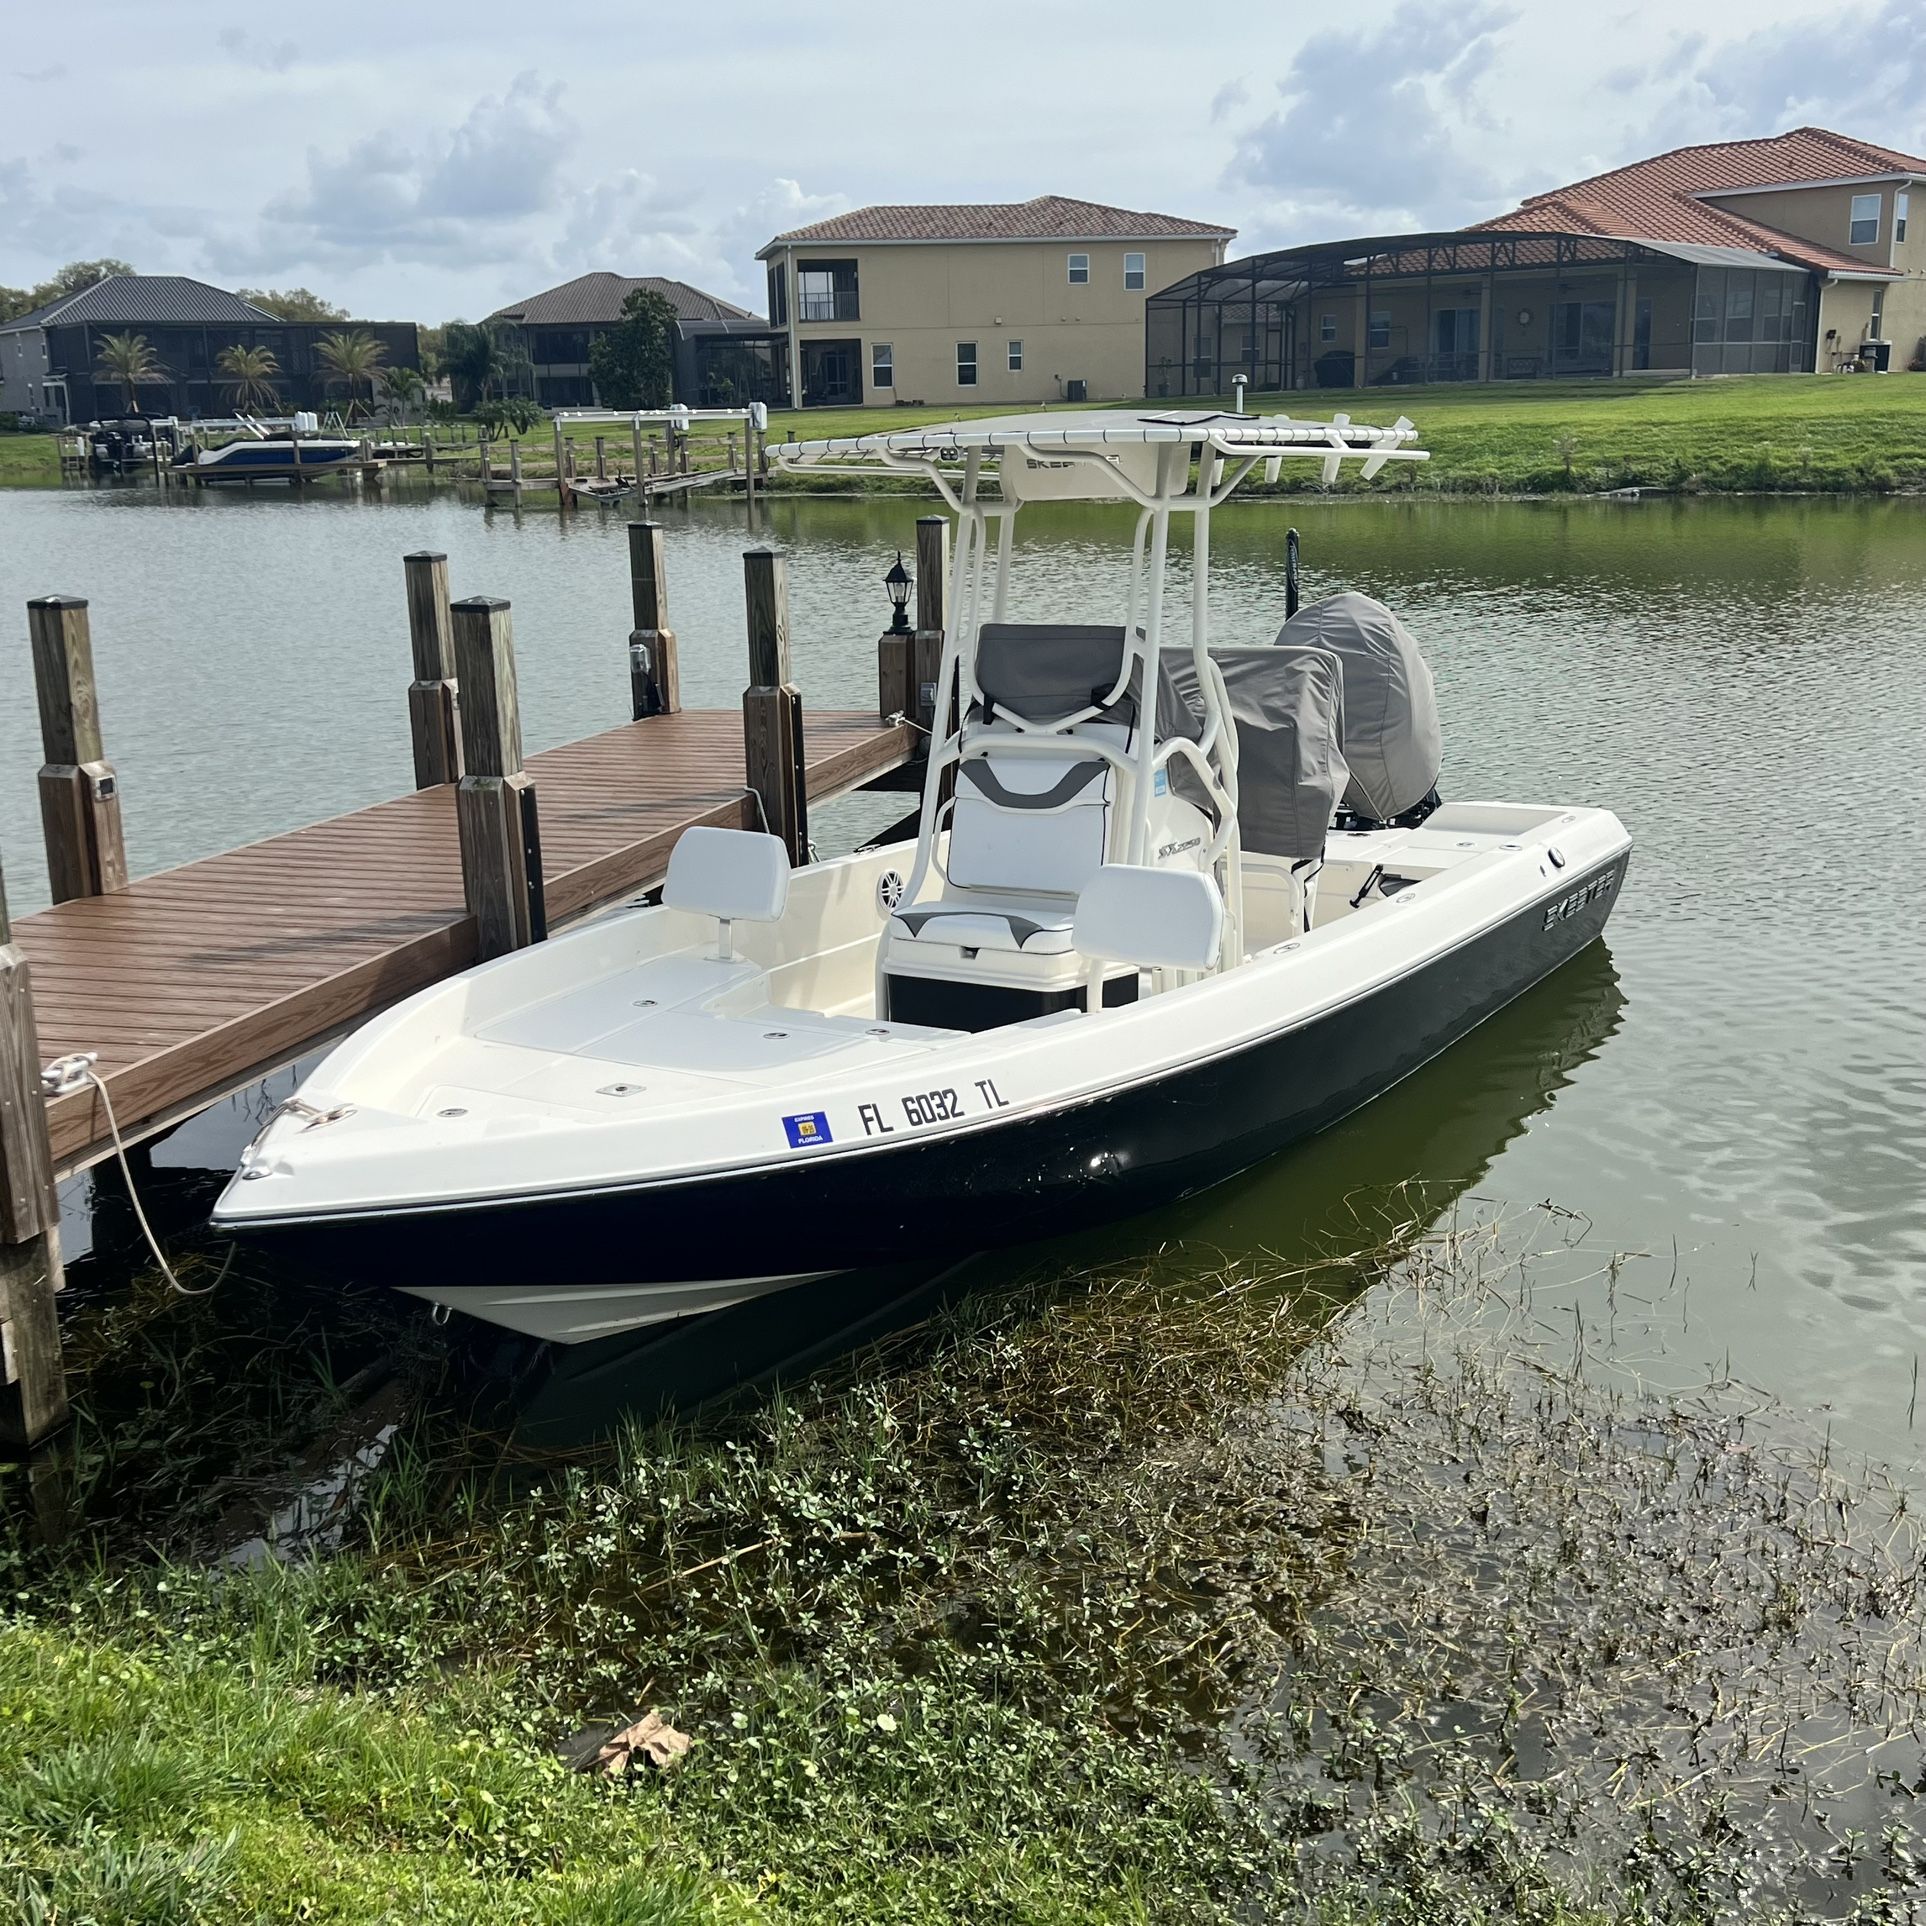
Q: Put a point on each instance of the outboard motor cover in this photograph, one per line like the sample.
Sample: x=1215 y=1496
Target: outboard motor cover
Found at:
x=1392 y=741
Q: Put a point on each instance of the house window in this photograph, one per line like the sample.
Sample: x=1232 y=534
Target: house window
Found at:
x=882 y=365
x=966 y=364
x=826 y=291
x=1865 y=220
x=1016 y=357
x=1327 y=327
x=1079 y=270
x=1899 y=214
x=1133 y=271
x=1380 y=331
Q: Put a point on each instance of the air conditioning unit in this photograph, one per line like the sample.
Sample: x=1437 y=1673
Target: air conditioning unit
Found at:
x=1076 y=391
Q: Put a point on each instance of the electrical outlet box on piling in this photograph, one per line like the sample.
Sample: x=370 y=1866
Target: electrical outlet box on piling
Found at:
x=655 y=684
x=79 y=793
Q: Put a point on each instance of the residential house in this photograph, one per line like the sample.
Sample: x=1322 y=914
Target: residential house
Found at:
x=50 y=367
x=1007 y=302
x=1783 y=255
x=724 y=355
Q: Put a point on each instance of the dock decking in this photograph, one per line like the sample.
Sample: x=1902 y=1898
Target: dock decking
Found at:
x=195 y=981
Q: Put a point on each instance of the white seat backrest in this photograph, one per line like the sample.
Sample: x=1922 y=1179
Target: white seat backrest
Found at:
x=1158 y=919
x=738 y=875
x=1031 y=821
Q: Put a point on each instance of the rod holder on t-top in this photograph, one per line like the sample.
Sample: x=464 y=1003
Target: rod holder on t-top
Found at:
x=1290 y=573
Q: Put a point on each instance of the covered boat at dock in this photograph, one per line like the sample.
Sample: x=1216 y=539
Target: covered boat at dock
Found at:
x=1170 y=905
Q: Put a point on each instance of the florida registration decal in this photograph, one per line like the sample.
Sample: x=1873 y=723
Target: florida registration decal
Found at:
x=812 y=1127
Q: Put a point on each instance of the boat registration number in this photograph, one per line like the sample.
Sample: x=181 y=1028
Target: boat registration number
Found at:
x=924 y=1107
x=1568 y=906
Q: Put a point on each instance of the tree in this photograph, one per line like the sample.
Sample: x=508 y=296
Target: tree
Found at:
x=293 y=304
x=401 y=388
x=77 y=276
x=633 y=364
x=473 y=360
x=128 y=359
x=249 y=375
x=353 y=358
x=515 y=416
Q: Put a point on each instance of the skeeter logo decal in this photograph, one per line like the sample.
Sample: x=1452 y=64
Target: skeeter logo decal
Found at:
x=1566 y=906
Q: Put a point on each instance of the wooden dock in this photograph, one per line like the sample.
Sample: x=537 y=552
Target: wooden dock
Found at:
x=188 y=985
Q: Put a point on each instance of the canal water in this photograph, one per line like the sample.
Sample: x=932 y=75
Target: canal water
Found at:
x=1734 y=1084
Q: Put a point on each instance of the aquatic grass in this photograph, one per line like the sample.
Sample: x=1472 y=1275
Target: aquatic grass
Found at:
x=1363 y=1587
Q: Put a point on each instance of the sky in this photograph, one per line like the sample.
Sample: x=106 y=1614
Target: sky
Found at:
x=419 y=160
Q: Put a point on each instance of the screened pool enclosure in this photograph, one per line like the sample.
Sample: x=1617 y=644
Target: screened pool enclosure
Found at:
x=1470 y=306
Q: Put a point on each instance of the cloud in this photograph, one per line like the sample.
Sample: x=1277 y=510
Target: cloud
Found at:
x=274 y=57
x=41 y=76
x=461 y=191
x=1232 y=95
x=1868 y=79
x=1369 y=134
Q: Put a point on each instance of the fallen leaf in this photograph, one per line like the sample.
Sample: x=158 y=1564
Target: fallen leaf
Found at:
x=651 y=1739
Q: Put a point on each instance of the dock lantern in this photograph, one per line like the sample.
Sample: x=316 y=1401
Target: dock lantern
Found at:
x=898 y=582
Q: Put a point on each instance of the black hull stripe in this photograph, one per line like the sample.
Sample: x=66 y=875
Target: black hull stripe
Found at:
x=1089 y=1162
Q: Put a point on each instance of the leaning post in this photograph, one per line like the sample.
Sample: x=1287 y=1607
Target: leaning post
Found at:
x=433 y=705
x=33 y=1383
x=932 y=592
x=1291 y=573
x=501 y=848
x=772 y=727
x=655 y=684
x=79 y=793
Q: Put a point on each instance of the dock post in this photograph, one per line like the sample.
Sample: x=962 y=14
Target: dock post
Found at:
x=433 y=711
x=601 y=457
x=515 y=469
x=1291 y=573
x=932 y=594
x=33 y=1383
x=635 y=447
x=79 y=794
x=772 y=725
x=655 y=683
x=501 y=849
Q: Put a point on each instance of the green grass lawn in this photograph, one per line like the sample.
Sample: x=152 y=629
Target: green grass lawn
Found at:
x=1819 y=433
x=29 y=461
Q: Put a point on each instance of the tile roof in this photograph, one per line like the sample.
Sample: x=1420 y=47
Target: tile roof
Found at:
x=150 y=300
x=1659 y=199
x=1050 y=217
x=598 y=297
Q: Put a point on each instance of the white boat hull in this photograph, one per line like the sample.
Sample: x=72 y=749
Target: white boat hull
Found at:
x=615 y=1128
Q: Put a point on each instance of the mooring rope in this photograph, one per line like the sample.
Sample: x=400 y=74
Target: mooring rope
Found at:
x=65 y=1074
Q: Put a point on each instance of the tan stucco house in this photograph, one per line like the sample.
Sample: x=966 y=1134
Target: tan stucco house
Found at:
x=1017 y=302
x=1790 y=254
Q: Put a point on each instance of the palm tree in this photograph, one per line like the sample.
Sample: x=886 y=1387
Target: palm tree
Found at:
x=474 y=361
x=248 y=372
x=353 y=358
x=401 y=388
x=130 y=361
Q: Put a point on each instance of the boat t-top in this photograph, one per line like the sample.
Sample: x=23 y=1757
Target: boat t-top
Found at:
x=1171 y=904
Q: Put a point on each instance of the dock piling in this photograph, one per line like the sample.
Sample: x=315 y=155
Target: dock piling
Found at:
x=79 y=793
x=33 y=1383
x=601 y=457
x=433 y=704
x=501 y=851
x=655 y=684
x=772 y=725
x=932 y=594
